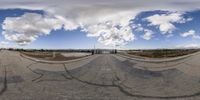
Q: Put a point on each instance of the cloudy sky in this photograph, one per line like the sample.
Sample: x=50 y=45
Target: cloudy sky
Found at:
x=125 y=24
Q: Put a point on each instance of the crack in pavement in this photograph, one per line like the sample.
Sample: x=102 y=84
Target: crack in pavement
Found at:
x=37 y=79
x=5 y=82
x=165 y=65
x=100 y=85
x=129 y=93
x=6 y=78
x=118 y=80
x=115 y=83
x=159 y=97
x=86 y=82
x=40 y=74
x=94 y=76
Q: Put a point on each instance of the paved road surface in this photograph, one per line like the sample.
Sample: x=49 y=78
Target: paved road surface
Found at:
x=101 y=77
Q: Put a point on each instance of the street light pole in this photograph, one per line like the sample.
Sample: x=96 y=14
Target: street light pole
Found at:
x=94 y=49
x=115 y=50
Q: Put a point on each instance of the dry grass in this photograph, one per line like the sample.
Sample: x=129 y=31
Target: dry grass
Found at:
x=49 y=56
x=38 y=54
x=162 y=53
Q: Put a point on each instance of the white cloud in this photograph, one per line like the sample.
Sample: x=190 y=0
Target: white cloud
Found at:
x=109 y=34
x=191 y=33
x=110 y=30
x=28 y=27
x=3 y=43
x=92 y=16
x=137 y=27
x=165 y=21
x=189 y=46
x=148 y=34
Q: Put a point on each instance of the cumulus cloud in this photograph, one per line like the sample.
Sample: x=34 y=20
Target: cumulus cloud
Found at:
x=3 y=43
x=110 y=30
x=28 y=27
x=148 y=34
x=109 y=34
x=191 y=33
x=137 y=27
x=107 y=20
x=165 y=21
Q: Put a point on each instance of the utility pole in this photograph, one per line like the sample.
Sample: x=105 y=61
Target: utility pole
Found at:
x=115 y=50
x=93 y=51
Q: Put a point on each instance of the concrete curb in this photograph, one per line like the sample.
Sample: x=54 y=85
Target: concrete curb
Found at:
x=151 y=60
x=54 y=62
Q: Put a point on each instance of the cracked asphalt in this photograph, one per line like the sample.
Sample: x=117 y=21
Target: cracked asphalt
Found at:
x=100 y=77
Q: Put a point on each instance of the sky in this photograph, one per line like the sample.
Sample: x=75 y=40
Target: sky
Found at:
x=85 y=24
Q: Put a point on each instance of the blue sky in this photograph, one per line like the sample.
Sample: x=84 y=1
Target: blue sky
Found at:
x=162 y=41
x=77 y=38
x=59 y=39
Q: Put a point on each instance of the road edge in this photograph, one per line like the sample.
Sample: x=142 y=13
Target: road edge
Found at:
x=54 y=62
x=151 y=60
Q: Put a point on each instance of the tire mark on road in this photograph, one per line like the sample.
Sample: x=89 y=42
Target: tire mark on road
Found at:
x=158 y=97
x=131 y=94
x=99 y=85
x=40 y=74
x=121 y=88
x=5 y=82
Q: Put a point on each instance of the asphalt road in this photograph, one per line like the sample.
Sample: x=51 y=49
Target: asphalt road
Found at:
x=100 y=77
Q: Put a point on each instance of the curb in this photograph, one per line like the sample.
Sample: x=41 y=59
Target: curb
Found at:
x=54 y=62
x=158 y=60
